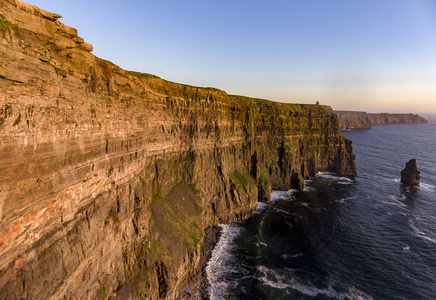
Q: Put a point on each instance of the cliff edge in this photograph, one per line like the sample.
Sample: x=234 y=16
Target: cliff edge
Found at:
x=108 y=178
x=364 y=120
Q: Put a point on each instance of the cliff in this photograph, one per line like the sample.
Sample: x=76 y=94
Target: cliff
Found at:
x=109 y=178
x=363 y=120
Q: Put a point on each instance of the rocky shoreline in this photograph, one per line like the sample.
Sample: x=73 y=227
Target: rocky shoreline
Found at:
x=199 y=289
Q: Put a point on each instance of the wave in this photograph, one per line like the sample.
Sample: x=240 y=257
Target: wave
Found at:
x=395 y=180
x=280 y=195
x=427 y=187
x=343 y=200
x=277 y=280
x=421 y=234
x=220 y=267
x=423 y=186
x=396 y=201
x=333 y=176
x=312 y=207
x=287 y=256
x=285 y=212
x=308 y=189
x=261 y=206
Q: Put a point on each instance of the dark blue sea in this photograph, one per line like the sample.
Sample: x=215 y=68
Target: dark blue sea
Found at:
x=366 y=237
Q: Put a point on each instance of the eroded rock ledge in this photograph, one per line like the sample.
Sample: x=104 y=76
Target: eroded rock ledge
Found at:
x=108 y=178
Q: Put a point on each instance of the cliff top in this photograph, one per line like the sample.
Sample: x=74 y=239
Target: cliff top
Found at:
x=70 y=55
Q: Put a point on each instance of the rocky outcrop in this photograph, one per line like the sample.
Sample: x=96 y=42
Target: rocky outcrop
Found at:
x=108 y=178
x=410 y=175
x=363 y=120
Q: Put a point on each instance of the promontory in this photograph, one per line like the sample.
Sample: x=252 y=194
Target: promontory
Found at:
x=364 y=120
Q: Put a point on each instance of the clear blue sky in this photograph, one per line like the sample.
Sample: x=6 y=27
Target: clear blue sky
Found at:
x=356 y=55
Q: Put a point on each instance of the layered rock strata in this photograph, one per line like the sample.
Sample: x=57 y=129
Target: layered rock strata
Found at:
x=108 y=178
x=410 y=175
x=364 y=120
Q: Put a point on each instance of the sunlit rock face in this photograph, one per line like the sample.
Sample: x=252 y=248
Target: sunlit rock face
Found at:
x=108 y=178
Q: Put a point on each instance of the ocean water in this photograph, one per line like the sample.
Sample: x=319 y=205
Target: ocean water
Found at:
x=366 y=237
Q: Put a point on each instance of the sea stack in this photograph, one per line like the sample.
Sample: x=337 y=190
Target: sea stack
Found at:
x=410 y=175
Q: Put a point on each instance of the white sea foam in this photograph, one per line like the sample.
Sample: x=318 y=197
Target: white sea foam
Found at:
x=261 y=206
x=421 y=234
x=396 y=180
x=423 y=186
x=281 y=195
x=277 y=280
x=286 y=279
x=395 y=201
x=297 y=255
x=220 y=265
x=343 y=200
x=406 y=249
x=333 y=176
x=285 y=212
x=287 y=256
x=427 y=187
x=308 y=189
x=309 y=206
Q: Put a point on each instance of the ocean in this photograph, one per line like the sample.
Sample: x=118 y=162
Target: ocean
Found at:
x=362 y=237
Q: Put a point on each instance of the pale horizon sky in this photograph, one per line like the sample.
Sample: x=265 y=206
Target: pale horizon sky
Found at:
x=374 y=56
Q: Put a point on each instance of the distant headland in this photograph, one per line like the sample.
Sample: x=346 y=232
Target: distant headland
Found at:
x=364 y=120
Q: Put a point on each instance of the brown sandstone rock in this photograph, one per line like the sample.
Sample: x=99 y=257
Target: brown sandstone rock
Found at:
x=109 y=178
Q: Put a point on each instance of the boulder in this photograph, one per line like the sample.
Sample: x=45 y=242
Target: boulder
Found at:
x=410 y=175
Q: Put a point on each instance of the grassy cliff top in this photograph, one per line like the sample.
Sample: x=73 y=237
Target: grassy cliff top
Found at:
x=173 y=89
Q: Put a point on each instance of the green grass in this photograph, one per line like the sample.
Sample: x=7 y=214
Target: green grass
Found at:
x=5 y=25
x=102 y=295
x=156 y=198
x=241 y=178
x=195 y=225
x=263 y=180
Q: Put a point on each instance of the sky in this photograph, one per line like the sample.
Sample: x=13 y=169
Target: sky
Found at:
x=374 y=56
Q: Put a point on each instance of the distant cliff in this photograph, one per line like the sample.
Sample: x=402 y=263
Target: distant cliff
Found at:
x=360 y=120
x=108 y=178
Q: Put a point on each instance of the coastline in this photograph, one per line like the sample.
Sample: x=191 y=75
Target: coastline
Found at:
x=199 y=289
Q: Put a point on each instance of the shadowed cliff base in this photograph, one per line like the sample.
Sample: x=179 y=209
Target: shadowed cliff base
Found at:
x=364 y=120
x=109 y=178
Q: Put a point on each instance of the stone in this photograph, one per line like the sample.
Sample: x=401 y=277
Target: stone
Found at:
x=410 y=175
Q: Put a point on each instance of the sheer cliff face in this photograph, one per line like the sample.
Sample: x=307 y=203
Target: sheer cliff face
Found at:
x=108 y=178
